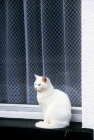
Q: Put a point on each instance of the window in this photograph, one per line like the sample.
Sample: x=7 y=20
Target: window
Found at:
x=39 y=37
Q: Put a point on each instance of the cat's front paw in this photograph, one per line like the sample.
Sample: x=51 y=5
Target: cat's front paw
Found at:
x=38 y=124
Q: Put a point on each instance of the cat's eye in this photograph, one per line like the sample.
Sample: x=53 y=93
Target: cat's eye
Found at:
x=39 y=84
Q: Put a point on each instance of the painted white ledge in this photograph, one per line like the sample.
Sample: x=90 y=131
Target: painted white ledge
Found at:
x=32 y=112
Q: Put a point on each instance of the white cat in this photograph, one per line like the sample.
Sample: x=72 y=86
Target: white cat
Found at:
x=54 y=103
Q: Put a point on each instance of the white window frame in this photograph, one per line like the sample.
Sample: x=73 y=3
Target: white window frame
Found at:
x=32 y=112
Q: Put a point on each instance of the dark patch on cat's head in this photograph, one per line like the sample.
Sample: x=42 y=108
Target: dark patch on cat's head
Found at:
x=44 y=79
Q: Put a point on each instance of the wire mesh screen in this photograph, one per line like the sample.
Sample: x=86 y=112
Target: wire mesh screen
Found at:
x=40 y=37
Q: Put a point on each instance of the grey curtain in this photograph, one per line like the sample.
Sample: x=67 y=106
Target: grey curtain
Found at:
x=40 y=37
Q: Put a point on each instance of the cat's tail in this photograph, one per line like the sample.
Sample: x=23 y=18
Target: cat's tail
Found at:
x=41 y=124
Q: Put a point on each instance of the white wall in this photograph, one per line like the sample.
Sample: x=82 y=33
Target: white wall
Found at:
x=88 y=63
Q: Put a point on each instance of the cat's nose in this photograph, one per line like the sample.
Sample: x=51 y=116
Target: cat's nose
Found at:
x=36 y=88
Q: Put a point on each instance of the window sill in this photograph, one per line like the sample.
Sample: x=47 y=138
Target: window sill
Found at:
x=25 y=128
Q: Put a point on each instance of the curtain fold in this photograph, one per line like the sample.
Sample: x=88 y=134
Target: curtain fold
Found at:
x=33 y=46
x=39 y=37
x=15 y=52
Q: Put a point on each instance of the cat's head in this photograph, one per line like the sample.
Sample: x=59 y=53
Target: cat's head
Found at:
x=42 y=83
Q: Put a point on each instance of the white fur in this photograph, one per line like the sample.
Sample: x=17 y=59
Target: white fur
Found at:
x=55 y=104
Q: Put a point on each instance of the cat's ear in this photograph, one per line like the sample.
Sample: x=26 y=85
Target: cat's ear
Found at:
x=36 y=76
x=44 y=79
